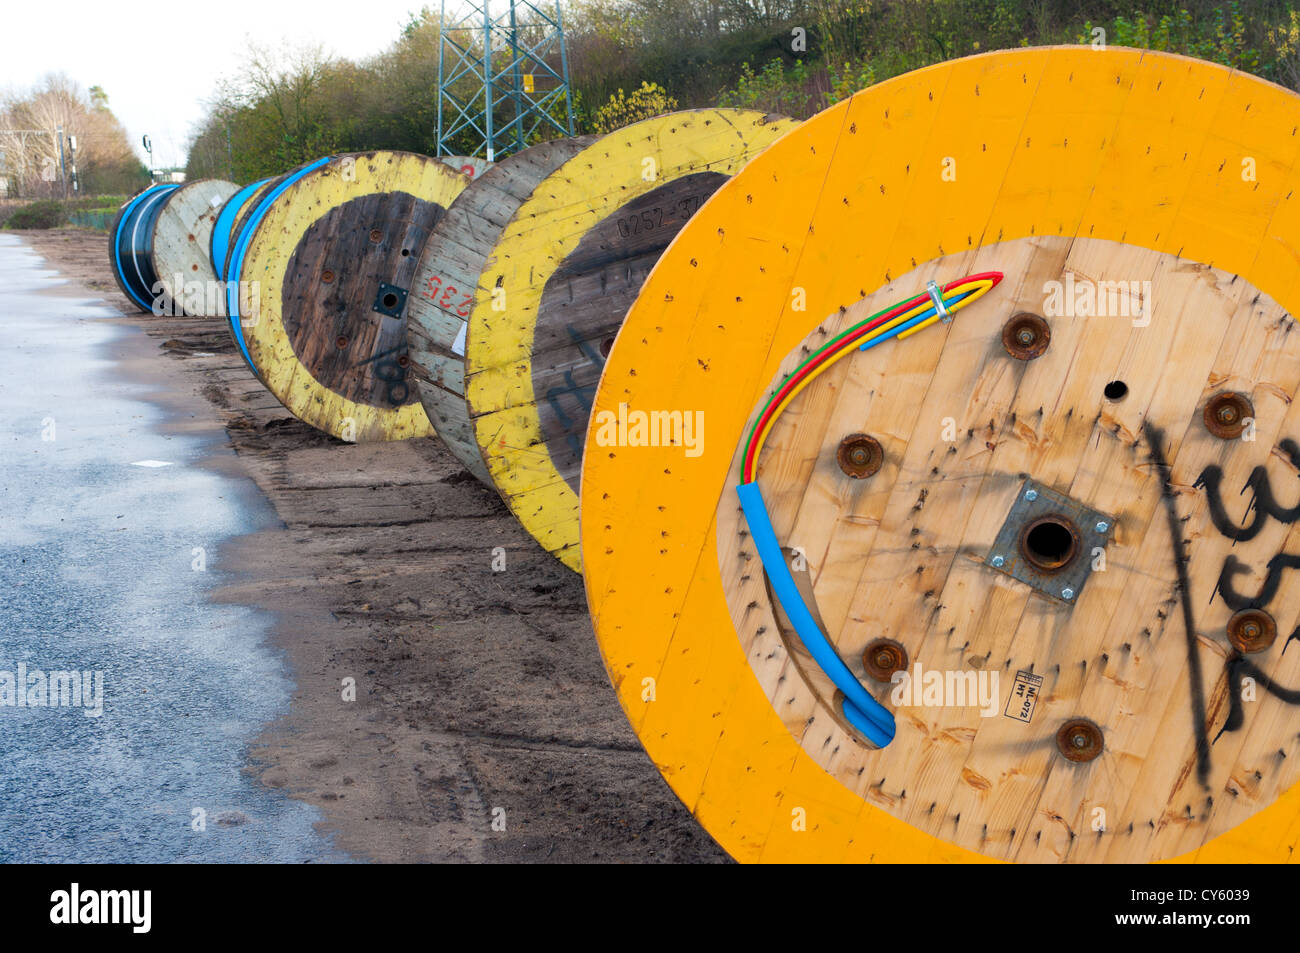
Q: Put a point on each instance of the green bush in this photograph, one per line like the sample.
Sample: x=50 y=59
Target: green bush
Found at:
x=46 y=213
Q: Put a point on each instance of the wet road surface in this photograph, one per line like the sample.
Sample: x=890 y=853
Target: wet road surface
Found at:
x=109 y=536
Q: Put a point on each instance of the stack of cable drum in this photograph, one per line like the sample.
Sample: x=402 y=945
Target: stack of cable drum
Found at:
x=900 y=449
x=386 y=295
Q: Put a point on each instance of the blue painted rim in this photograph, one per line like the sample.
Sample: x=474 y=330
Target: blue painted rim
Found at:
x=130 y=214
x=221 y=228
x=241 y=246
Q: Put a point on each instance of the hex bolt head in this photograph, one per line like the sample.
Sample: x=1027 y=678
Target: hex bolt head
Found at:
x=1067 y=593
x=997 y=561
x=1031 y=495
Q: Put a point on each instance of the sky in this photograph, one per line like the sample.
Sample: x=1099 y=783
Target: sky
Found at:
x=159 y=64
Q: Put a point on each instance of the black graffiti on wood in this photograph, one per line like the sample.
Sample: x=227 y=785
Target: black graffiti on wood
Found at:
x=584 y=302
x=1263 y=503
x=1232 y=566
x=584 y=394
x=1155 y=442
x=1238 y=667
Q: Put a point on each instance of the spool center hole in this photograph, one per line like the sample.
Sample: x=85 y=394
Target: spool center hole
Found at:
x=390 y=300
x=1049 y=543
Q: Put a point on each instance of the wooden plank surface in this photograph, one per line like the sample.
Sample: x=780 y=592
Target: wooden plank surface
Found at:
x=560 y=279
x=1050 y=164
x=447 y=283
x=182 y=243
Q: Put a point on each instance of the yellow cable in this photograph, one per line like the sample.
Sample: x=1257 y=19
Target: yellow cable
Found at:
x=980 y=288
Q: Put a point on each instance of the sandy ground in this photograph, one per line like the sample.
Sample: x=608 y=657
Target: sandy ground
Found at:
x=479 y=694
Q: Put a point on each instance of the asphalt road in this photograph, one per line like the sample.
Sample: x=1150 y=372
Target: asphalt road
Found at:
x=103 y=514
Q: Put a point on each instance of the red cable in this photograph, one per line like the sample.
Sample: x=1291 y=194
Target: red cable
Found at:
x=803 y=372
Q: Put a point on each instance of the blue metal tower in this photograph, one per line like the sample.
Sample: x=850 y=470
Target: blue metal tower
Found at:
x=503 y=78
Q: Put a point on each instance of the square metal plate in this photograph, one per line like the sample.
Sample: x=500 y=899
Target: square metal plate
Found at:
x=1092 y=531
x=390 y=300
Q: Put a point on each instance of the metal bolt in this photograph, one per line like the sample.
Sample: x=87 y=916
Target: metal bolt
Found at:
x=884 y=657
x=1103 y=526
x=1079 y=740
x=1031 y=495
x=1067 y=593
x=860 y=455
x=997 y=561
x=1251 y=630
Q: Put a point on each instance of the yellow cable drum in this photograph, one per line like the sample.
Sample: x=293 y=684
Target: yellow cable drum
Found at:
x=1051 y=536
x=326 y=268
x=558 y=283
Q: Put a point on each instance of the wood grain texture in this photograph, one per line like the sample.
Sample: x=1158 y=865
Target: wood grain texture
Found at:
x=902 y=555
x=324 y=256
x=566 y=268
x=182 y=239
x=447 y=282
x=1113 y=164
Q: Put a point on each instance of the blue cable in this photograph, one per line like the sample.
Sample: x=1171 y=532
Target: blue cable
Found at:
x=860 y=708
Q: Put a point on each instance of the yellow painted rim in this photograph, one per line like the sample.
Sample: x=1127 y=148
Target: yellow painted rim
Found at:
x=576 y=197
x=1131 y=146
x=267 y=260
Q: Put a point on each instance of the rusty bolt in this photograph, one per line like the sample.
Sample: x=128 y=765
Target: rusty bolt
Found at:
x=860 y=455
x=1026 y=336
x=376 y=235
x=342 y=341
x=327 y=276
x=1251 y=630
x=1226 y=414
x=882 y=658
x=1079 y=740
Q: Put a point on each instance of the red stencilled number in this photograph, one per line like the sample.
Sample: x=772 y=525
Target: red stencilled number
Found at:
x=432 y=286
x=444 y=296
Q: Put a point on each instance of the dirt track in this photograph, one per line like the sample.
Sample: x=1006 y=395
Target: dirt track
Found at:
x=475 y=689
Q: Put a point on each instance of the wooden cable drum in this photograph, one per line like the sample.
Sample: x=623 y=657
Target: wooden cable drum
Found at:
x=558 y=283
x=182 y=249
x=131 y=247
x=223 y=228
x=324 y=267
x=988 y=591
x=446 y=283
x=469 y=166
